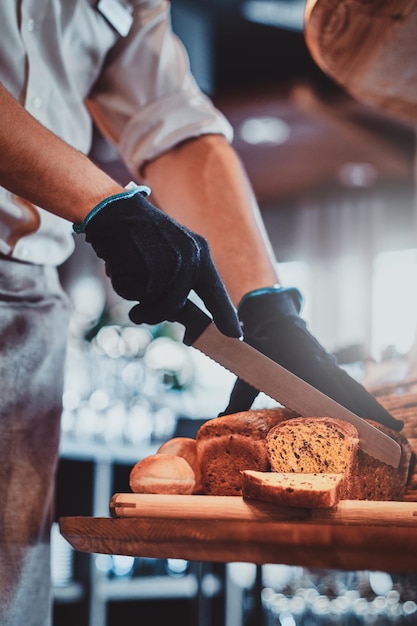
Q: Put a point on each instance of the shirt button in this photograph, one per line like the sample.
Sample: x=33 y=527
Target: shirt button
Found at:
x=30 y=24
x=36 y=102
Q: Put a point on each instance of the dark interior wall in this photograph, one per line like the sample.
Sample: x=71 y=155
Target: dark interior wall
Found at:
x=228 y=51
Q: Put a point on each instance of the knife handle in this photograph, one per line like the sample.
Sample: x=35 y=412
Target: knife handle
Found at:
x=194 y=320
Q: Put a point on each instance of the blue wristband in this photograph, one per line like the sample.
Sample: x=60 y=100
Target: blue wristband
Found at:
x=275 y=289
x=142 y=189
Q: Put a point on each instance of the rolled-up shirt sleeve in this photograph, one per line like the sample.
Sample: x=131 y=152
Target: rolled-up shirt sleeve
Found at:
x=146 y=100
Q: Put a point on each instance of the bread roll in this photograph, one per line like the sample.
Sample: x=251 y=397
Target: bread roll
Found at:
x=162 y=473
x=229 y=444
x=300 y=490
x=185 y=447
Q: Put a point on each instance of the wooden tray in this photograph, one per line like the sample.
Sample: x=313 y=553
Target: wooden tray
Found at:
x=354 y=535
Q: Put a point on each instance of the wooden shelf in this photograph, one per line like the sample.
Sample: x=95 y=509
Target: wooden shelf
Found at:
x=354 y=535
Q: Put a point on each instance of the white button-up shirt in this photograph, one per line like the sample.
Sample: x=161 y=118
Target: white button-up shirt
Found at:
x=69 y=65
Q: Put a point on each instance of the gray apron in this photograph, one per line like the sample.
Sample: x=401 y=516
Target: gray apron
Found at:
x=33 y=335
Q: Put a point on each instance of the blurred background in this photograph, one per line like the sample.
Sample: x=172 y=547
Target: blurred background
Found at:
x=335 y=180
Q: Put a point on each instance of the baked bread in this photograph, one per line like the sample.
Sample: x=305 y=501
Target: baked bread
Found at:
x=301 y=490
x=372 y=479
x=229 y=444
x=162 y=473
x=324 y=444
x=278 y=441
x=186 y=447
x=314 y=445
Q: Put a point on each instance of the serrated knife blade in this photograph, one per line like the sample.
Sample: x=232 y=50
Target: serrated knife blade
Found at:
x=277 y=382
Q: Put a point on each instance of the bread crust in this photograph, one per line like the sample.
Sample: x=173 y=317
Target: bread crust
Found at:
x=231 y=443
x=372 y=479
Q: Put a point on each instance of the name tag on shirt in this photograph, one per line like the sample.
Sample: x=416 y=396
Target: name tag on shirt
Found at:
x=117 y=15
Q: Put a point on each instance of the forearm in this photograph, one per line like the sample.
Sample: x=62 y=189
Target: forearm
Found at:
x=202 y=184
x=38 y=166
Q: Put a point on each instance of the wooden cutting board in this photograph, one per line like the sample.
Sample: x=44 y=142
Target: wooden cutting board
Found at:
x=353 y=535
x=369 y=48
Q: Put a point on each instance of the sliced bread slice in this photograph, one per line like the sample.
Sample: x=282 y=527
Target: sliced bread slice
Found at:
x=309 y=490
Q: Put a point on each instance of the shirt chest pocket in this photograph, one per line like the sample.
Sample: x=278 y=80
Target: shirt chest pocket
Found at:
x=87 y=39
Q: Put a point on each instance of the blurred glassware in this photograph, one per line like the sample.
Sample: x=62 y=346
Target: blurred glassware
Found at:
x=62 y=558
x=177 y=567
x=122 y=565
x=294 y=595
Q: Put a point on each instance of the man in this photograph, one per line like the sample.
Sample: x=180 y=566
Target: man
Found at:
x=62 y=65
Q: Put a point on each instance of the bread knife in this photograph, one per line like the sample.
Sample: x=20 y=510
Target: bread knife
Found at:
x=277 y=382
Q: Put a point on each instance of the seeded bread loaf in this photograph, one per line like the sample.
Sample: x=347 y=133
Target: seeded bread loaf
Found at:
x=229 y=444
x=314 y=445
x=301 y=490
x=324 y=444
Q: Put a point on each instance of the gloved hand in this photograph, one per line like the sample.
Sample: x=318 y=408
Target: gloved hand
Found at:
x=271 y=324
x=151 y=258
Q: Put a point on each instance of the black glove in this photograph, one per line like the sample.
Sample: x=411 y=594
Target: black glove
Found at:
x=271 y=324
x=152 y=259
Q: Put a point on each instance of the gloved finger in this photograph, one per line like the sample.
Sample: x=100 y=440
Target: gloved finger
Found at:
x=166 y=305
x=241 y=398
x=155 y=312
x=364 y=404
x=325 y=375
x=138 y=316
x=299 y=352
x=321 y=371
x=210 y=288
x=124 y=286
